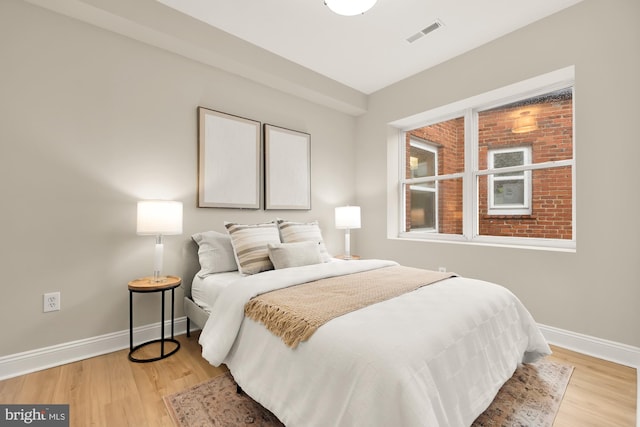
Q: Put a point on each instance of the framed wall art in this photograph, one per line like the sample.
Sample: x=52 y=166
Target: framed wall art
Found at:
x=229 y=161
x=287 y=167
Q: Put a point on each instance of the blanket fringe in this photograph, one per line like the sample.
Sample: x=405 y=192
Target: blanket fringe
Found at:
x=291 y=328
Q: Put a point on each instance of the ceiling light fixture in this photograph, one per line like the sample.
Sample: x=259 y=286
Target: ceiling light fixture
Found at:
x=349 y=7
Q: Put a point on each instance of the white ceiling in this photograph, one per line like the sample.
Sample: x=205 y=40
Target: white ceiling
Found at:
x=368 y=52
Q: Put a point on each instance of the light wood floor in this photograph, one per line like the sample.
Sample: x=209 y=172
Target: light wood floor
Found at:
x=111 y=391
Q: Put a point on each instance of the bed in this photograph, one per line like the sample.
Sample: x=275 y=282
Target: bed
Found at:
x=435 y=356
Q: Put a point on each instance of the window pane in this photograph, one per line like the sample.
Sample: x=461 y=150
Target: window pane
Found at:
x=544 y=123
x=434 y=207
x=423 y=206
x=509 y=158
x=506 y=159
x=422 y=163
x=508 y=192
x=551 y=214
x=447 y=139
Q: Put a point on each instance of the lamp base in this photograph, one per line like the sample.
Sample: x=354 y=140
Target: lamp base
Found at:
x=347 y=244
x=157 y=278
x=349 y=258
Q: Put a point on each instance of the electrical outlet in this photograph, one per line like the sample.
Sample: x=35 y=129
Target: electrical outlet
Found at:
x=51 y=302
x=442 y=269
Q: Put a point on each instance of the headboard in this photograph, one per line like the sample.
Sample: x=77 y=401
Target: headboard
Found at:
x=190 y=265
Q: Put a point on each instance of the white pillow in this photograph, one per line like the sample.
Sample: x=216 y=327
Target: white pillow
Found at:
x=285 y=255
x=250 y=242
x=293 y=232
x=215 y=253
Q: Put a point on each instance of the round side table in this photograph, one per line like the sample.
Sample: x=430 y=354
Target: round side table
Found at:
x=147 y=285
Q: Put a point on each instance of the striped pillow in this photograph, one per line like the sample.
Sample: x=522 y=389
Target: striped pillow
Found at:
x=292 y=232
x=250 y=242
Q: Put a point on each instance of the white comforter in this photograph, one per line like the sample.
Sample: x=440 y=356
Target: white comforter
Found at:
x=433 y=357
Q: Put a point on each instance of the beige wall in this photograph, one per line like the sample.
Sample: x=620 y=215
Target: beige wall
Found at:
x=91 y=122
x=595 y=291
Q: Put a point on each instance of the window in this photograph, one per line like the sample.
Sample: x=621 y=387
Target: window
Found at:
x=510 y=192
x=422 y=194
x=432 y=180
x=497 y=168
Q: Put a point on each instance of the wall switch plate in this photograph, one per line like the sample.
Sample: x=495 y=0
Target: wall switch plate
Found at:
x=51 y=302
x=442 y=269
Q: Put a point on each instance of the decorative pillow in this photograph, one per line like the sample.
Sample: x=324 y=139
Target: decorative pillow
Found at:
x=292 y=232
x=285 y=255
x=250 y=242
x=215 y=253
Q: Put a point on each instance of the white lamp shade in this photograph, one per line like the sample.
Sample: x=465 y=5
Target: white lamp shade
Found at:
x=159 y=217
x=348 y=217
x=349 y=7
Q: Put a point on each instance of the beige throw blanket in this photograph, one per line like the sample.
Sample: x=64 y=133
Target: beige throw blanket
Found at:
x=295 y=313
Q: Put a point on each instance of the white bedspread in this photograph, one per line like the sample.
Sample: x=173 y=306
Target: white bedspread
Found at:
x=433 y=357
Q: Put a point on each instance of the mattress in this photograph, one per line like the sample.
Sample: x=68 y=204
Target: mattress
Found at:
x=205 y=290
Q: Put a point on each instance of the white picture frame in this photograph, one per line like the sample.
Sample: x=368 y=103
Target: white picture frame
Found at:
x=229 y=161
x=287 y=167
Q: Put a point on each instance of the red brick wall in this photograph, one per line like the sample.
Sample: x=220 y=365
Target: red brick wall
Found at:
x=551 y=196
x=449 y=136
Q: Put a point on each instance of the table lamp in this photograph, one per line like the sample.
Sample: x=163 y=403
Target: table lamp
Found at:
x=347 y=217
x=159 y=218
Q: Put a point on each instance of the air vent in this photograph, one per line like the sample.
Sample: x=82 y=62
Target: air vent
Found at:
x=436 y=24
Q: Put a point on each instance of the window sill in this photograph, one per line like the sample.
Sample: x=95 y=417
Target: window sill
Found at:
x=551 y=245
x=511 y=217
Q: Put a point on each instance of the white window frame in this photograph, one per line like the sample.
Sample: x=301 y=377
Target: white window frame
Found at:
x=514 y=209
x=407 y=182
x=469 y=108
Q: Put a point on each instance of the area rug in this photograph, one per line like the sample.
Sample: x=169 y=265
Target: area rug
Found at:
x=531 y=398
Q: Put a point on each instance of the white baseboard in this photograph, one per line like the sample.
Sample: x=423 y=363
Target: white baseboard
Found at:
x=35 y=360
x=602 y=349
